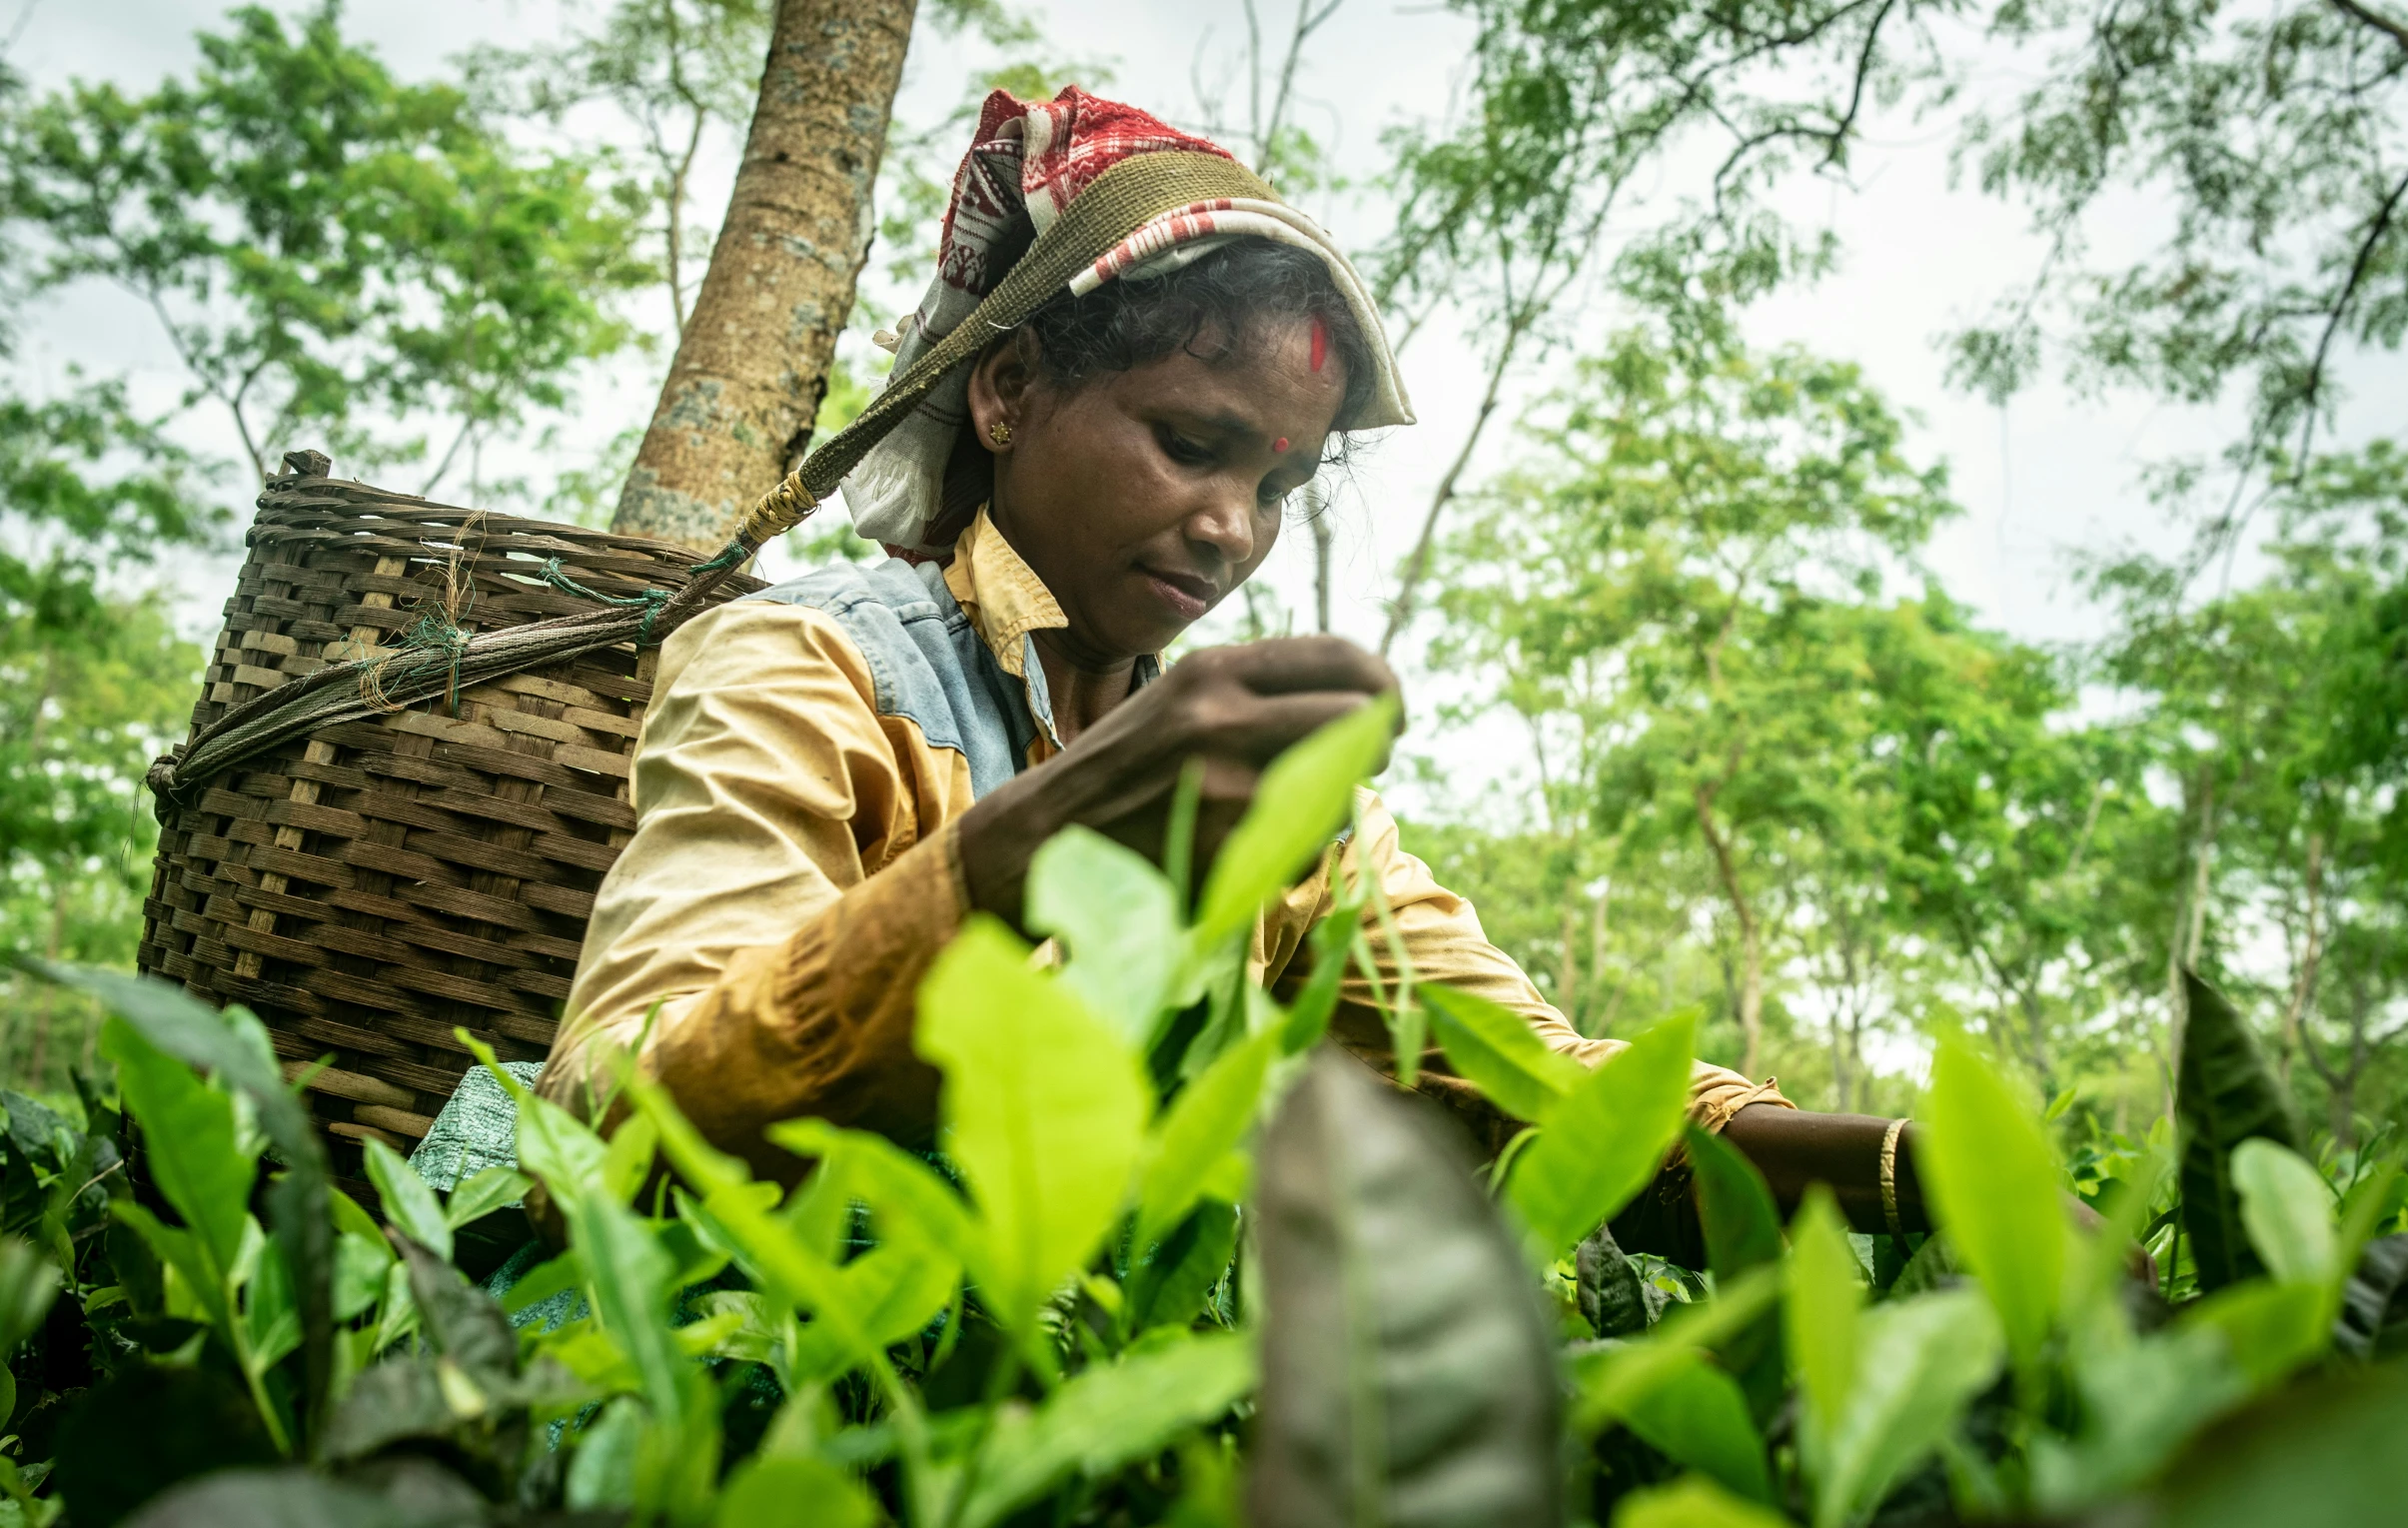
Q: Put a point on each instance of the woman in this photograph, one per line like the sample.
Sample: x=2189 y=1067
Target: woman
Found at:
x=838 y=771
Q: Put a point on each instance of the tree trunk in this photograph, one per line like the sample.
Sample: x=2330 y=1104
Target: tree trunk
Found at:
x=1752 y=950
x=752 y=362
x=1568 y=967
x=2303 y=978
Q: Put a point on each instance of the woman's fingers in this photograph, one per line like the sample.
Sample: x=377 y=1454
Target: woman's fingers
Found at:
x=1256 y=729
x=1286 y=665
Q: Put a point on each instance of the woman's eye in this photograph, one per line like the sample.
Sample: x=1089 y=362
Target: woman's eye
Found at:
x=1180 y=449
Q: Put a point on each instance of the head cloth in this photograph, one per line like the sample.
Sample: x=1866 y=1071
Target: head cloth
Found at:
x=1053 y=196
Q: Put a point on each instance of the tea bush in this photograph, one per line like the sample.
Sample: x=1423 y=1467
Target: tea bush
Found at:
x=1180 y=1262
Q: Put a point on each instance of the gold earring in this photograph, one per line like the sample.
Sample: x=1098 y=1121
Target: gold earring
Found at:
x=1000 y=433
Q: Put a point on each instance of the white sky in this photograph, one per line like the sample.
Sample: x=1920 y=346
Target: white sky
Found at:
x=2048 y=474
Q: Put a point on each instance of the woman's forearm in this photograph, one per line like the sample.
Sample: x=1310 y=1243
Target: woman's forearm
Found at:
x=1793 y=1149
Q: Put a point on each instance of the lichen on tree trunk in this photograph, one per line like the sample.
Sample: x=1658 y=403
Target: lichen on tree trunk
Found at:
x=752 y=363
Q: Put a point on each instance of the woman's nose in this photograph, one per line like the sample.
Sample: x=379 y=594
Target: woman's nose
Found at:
x=1226 y=523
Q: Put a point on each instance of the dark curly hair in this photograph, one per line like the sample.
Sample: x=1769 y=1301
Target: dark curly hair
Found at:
x=1217 y=307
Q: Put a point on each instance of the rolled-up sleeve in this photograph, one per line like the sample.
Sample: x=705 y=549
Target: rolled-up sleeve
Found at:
x=1444 y=943
x=762 y=938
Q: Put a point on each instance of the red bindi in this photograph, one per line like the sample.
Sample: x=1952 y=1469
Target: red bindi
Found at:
x=1321 y=344
x=1280 y=445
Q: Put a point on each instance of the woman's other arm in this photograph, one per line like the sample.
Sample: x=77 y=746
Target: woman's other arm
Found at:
x=777 y=903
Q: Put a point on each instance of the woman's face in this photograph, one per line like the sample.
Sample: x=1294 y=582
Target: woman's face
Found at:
x=1142 y=498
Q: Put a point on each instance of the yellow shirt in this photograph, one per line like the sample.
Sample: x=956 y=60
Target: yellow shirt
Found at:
x=795 y=867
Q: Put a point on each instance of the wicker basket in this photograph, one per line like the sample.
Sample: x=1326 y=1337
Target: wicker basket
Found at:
x=371 y=886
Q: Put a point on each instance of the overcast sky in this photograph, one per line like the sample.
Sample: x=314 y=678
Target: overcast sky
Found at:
x=2050 y=472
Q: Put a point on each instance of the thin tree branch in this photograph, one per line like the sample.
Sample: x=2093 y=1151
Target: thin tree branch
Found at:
x=2381 y=23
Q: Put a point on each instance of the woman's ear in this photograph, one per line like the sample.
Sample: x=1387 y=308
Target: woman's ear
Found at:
x=999 y=389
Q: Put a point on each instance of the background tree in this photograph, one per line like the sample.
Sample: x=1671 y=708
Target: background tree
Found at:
x=339 y=259
x=94 y=683
x=678 y=71
x=2274 y=135
x=752 y=362
x=1674 y=591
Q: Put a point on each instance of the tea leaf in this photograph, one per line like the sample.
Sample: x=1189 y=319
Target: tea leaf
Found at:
x=271 y=1323
x=2223 y=1095
x=1408 y=1377
x=1696 y=1417
x=766 y=1493
x=2270 y=1329
x=194 y=1153
x=1494 y=1048
x=1994 y=1182
x=2326 y=1455
x=627 y=1157
x=28 y=1283
x=553 y=1144
x=1611 y=1379
x=235 y=1046
x=1826 y=1315
x=1120 y=920
x=489 y=1190
x=1743 y=1231
x=601 y=1473
x=1211 y=1115
x=1612 y=1296
x=1109 y=1416
x=1691 y=1502
x=1300 y=802
x=1920 y=1362
x=1332 y=944
x=2140 y=1401
x=1168 y=1284
x=2288 y=1210
x=629 y=1277
x=2374 y=1303
x=465 y=1323
x=1044 y=1110
x=905 y=1197
x=772 y=1251
x=1603 y=1141
x=408 y=1203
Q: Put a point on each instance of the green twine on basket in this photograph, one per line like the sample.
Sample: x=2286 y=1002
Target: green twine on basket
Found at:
x=434 y=641
x=651 y=598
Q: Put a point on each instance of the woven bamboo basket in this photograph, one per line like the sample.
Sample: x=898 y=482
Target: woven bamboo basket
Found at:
x=370 y=886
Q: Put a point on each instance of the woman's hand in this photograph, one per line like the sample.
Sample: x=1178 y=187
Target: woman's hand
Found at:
x=1235 y=708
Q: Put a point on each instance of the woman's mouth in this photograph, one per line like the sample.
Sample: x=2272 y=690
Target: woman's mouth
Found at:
x=1185 y=593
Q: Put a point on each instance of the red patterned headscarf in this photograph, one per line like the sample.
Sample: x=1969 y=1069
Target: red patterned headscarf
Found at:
x=1028 y=162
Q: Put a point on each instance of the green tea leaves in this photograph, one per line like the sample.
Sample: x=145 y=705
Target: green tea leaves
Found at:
x=1603 y=1141
x=1920 y=1362
x=1494 y=1048
x=408 y=1203
x=1045 y=1110
x=1207 y=1120
x=28 y=1283
x=1826 y=1313
x=1120 y=920
x=768 y=1492
x=1406 y=1374
x=2288 y=1212
x=1106 y=1417
x=481 y=1194
x=195 y=1150
x=1991 y=1173
x=1698 y=1417
x=1299 y=804
x=2223 y=1095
